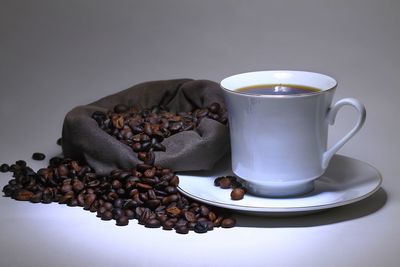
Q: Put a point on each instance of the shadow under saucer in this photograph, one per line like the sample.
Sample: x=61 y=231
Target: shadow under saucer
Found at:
x=349 y=212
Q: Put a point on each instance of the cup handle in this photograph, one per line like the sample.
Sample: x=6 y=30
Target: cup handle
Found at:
x=331 y=120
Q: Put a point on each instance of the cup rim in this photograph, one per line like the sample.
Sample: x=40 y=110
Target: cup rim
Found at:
x=331 y=88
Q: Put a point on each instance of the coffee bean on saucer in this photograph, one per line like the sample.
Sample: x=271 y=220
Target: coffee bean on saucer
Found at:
x=38 y=156
x=218 y=180
x=237 y=193
x=4 y=167
x=225 y=183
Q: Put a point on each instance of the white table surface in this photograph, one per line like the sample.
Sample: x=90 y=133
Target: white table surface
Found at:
x=55 y=55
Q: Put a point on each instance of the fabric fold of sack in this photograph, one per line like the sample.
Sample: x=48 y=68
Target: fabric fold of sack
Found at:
x=198 y=149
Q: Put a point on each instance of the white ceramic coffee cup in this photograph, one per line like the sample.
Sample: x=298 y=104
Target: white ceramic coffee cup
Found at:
x=279 y=142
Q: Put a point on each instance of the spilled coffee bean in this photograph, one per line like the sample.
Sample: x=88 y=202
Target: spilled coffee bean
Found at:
x=228 y=223
x=4 y=167
x=225 y=182
x=38 y=156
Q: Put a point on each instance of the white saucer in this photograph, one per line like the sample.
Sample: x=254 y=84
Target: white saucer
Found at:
x=346 y=180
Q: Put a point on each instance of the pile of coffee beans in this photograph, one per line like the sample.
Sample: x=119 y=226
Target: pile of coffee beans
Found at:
x=145 y=129
x=147 y=193
x=226 y=182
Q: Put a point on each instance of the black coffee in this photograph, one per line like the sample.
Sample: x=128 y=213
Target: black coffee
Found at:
x=277 y=89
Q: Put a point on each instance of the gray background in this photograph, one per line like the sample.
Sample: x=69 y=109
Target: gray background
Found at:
x=55 y=55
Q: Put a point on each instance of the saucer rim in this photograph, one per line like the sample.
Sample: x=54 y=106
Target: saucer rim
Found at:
x=273 y=210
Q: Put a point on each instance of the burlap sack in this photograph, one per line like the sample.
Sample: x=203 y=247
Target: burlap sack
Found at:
x=198 y=149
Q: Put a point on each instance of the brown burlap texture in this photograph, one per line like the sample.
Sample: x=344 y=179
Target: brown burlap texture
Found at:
x=199 y=149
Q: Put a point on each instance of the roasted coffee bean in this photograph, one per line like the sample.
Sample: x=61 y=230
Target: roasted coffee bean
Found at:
x=66 y=188
x=116 y=184
x=130 y=214
x=99 y=116
x=94 y=183
x=36 y=198
x=48 y=195
x=170 y=190
x=23 y=195
x=144 y=216
x=212 y=216
x=225 y=183
x=149 y=173
x=173 y=211
x=62 y=170
x=137 y=129
x=117 y=213
x=122 y=221
x=106 y=216
x=153 y=223
x=175 y=127
x=143 y=167
x=201 y=227
x=101 y=211
x=214 y=107
x=204 y=211
x=55 y=161
x=137 y=147
x=190 y=216
x=217 y=222
x=217 y=181
x=174 y=181
x=159 y=147
x=118 y=121
x=121 y=108
x=108 y=205
x=142 y=156
x=146 y=146
x=78 y=186
x=237 y=193
x=171 y=198
x=228 y=223
x=81 y=199
x=210 y=226
x=74 y=165
x=181 y=229
x=168 y=225
x=38 y=156
x=72 y=202
x=144 y=186
x=147 y=129
x=88 y=200
x=118 y=203
x=4 y=167
x=21 y=163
